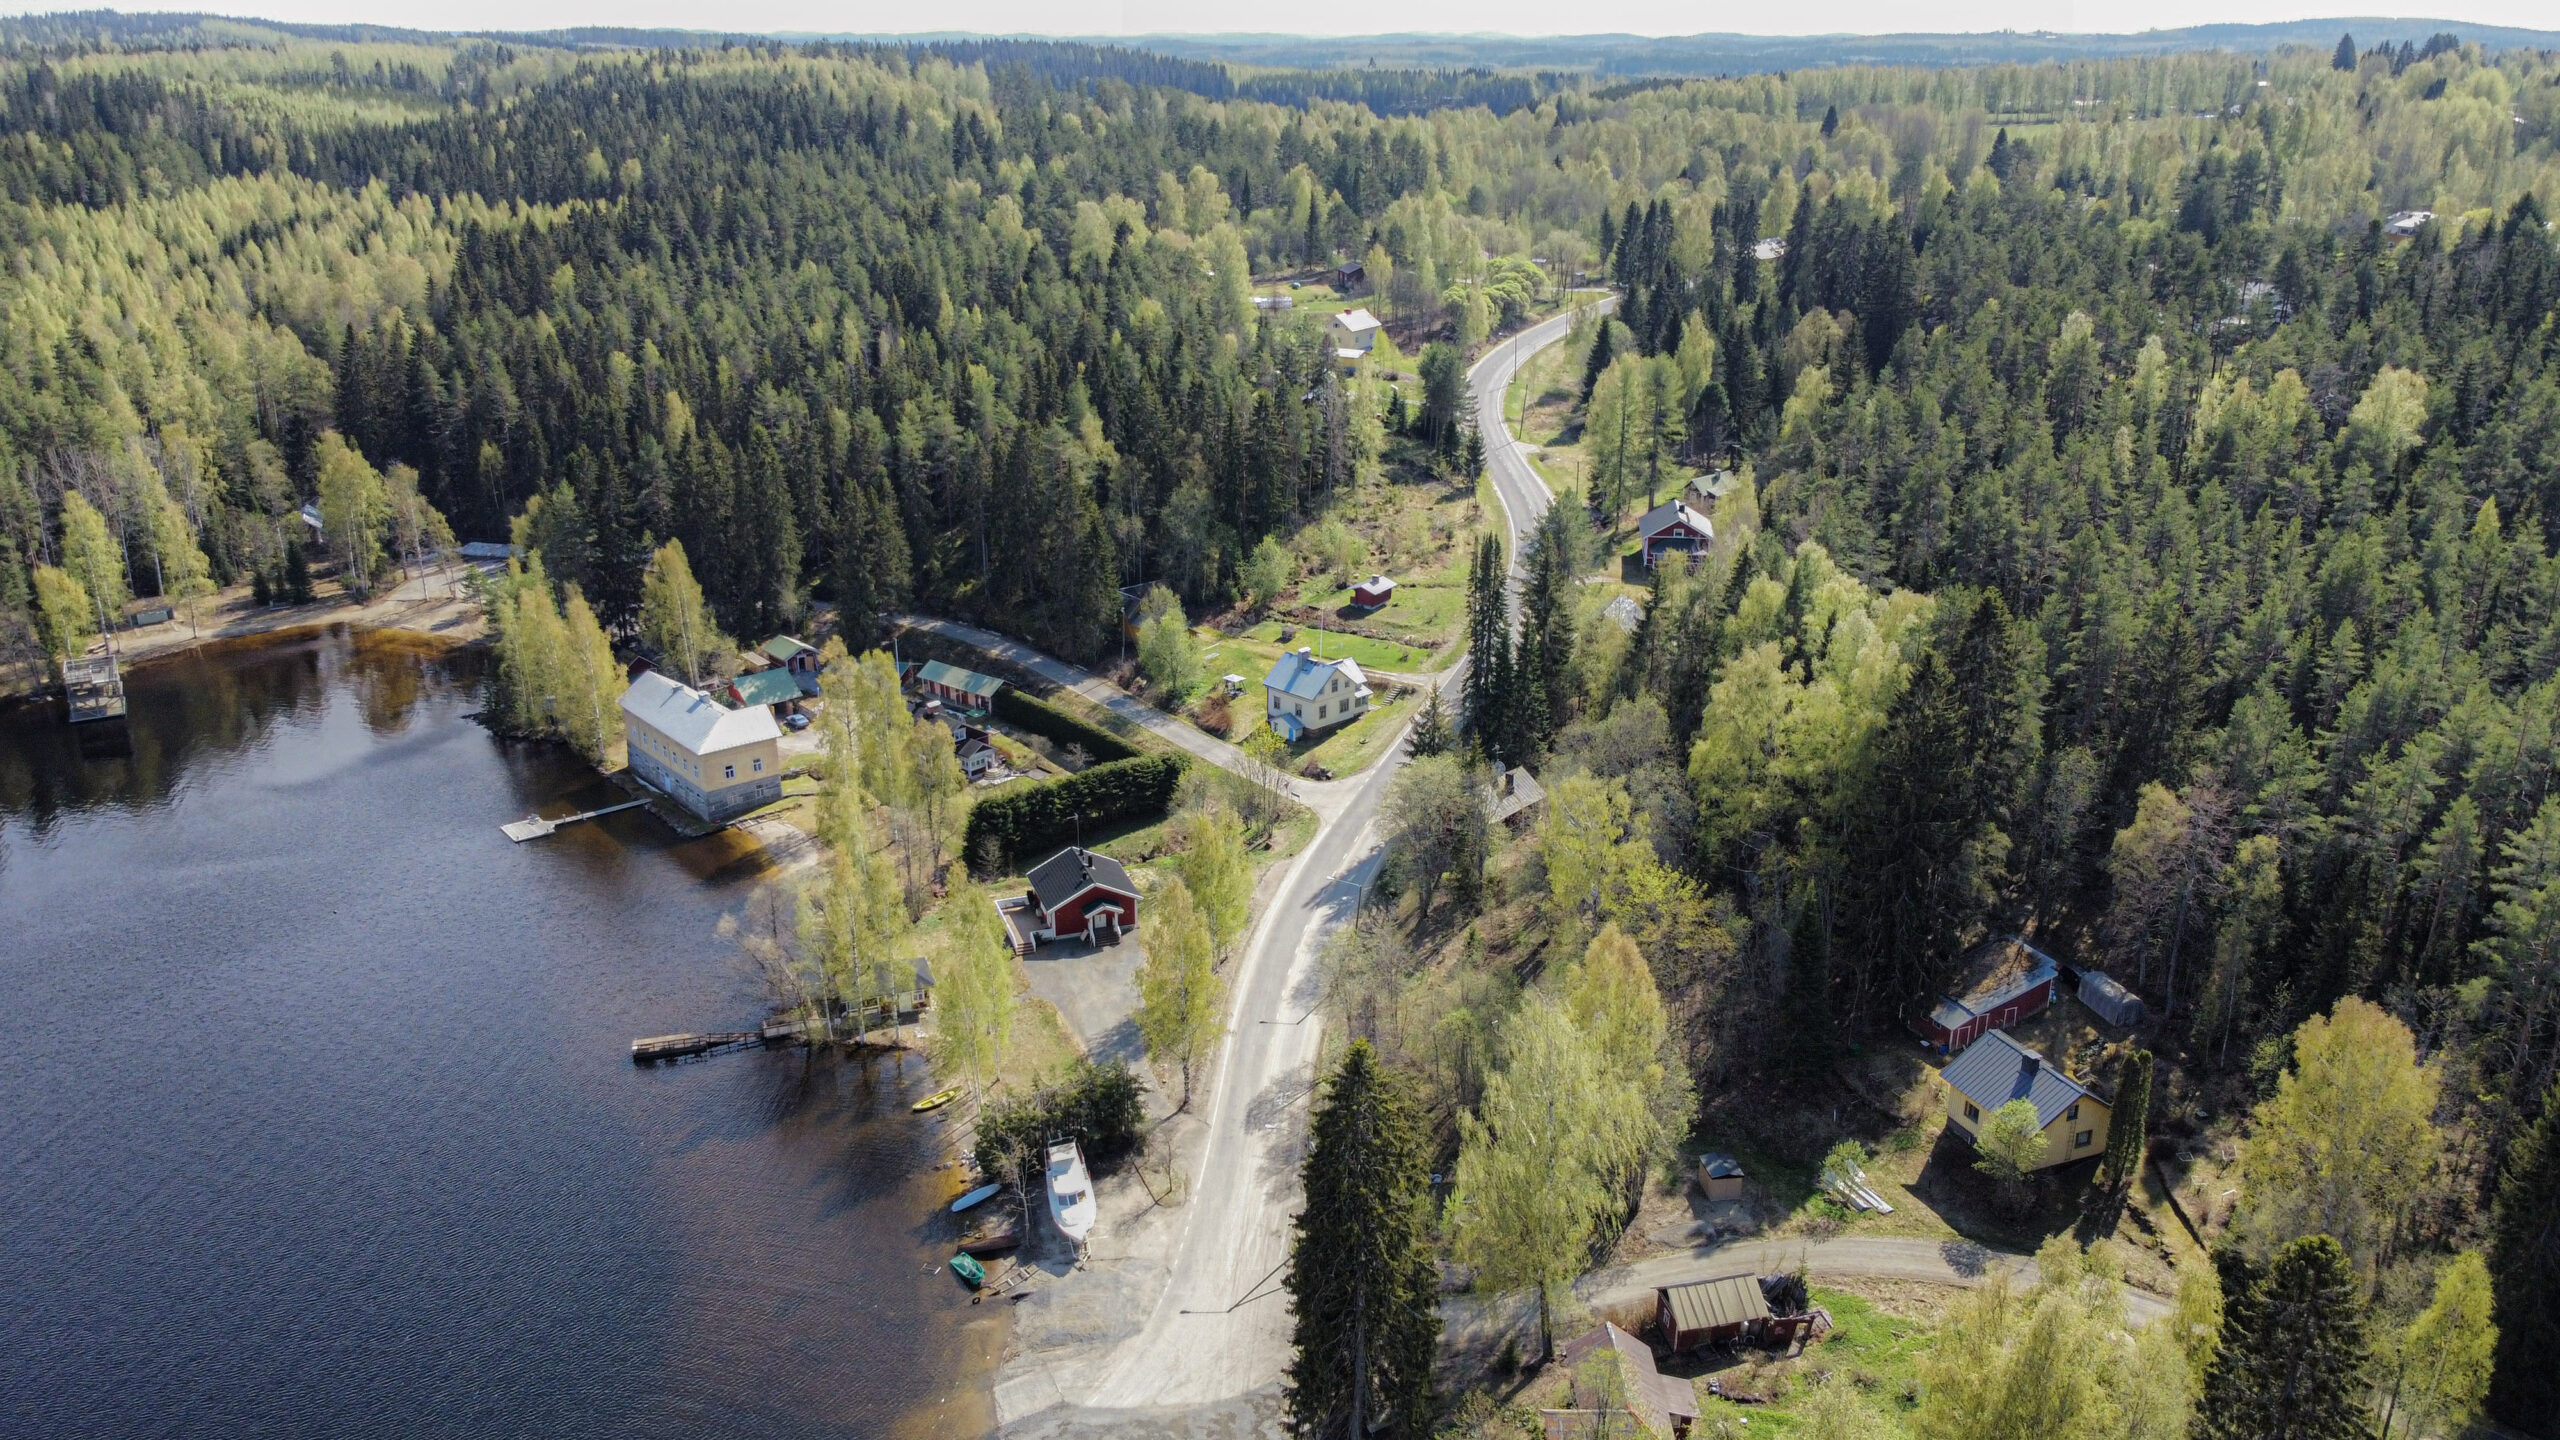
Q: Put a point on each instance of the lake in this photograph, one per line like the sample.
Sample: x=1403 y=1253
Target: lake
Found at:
x=319 y=1117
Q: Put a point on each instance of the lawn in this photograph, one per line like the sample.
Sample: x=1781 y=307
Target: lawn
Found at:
x=1352 y=747
x=1264 y=645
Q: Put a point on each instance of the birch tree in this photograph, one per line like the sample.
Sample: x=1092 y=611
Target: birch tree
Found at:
x=1181 y=1000
x=974 y=1002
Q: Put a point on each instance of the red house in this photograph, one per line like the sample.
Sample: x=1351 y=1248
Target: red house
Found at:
x=2015 y=985
x=1373 y=592
x=1074 y=892
x=1672 y=526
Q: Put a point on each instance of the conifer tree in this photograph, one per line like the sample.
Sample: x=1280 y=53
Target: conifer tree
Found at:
x=2291 y=1361
x=2128 y=1119
x=2524 y=1260
x=2344 y=57
x=1362 y=1281
x=1812 y=1038
x=1488 y=640
x=1430 y=728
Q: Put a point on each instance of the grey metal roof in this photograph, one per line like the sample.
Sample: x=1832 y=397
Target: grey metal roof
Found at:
x=1059 y=878
x=1712 y=1304
x=1996 y=1070
x=1721 y=1167
x=1673 y=512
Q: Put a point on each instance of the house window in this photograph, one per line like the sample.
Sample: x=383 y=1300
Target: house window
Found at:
x=2071 y=1114
x=2081 y=1140
x=758 y=767
x=728 y=772
x=1970 y=1113
x=1320 y=711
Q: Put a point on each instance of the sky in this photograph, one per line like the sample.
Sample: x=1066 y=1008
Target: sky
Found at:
x=1327 y=17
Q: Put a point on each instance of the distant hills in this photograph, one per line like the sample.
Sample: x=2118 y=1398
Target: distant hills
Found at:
x=1615 y=55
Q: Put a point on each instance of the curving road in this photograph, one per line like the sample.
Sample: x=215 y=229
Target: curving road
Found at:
x=1208 y=1356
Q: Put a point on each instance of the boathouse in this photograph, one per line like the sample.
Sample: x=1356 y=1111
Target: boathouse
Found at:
x=717 y=762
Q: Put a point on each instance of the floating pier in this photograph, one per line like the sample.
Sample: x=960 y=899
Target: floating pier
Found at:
x=534 y=827
x=685 y=1047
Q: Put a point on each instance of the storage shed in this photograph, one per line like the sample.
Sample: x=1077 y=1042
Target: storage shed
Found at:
x=1711 y=1312
x=1373 y=592
x=1720 y=1177
x=2013 y=981
x=2108 y=1000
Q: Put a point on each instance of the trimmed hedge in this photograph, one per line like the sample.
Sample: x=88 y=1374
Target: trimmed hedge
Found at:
x=1023 y=822
x=1041 y=718
x=1097 y=1104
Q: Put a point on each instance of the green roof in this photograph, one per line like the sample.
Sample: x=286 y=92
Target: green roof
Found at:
x=783 y=647
x=952 y=677
x=766 y=687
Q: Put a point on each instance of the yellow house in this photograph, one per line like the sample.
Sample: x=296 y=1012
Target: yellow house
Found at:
x=1995 y=1070
x=714 y=761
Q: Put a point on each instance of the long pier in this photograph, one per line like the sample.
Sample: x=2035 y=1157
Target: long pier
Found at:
x=534 y=827
x=652 y=1048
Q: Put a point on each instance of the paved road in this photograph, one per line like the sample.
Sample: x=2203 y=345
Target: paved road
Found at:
x=1936 y=1262
x=1524 y=495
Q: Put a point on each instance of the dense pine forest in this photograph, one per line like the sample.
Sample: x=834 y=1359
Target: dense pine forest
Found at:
x=2145 y=540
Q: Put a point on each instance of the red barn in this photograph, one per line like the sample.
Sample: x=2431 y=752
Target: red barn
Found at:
x=1077 y=892
x=1373 y=592
x=1672 y=526
x=2015 y=985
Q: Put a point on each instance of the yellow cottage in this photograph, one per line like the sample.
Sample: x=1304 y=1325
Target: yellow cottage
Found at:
x=1995 y=1070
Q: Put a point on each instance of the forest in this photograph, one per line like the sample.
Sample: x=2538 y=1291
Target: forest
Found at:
x=2145 y=539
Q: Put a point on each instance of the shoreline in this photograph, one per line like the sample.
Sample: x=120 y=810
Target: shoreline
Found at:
x=432 y=605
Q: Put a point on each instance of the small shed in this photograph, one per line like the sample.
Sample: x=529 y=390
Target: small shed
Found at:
x=1720 y=1177
x=1373 y=592
x=2011 y=981
x=2108 y=1000
x=1512 y=795
x=797 y=656
x=1711 y=1312
x=1661 y=1404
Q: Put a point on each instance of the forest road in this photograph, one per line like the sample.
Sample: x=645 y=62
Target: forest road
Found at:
x=1524 y=495
x=1210 y=1355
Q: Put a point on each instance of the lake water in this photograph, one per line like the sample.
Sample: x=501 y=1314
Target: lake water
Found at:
x=317 y=1116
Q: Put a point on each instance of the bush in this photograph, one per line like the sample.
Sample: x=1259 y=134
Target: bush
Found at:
x=1097 y=1105
x=1019 y=822
x=1041 y=718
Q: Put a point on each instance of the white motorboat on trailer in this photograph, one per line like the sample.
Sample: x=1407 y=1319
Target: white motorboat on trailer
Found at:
x=1070 y=1191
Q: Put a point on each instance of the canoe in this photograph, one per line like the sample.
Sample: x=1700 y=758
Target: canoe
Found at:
x=969 y=1270
x=935 y=1101
x=990 y=1244
x=973 y=1197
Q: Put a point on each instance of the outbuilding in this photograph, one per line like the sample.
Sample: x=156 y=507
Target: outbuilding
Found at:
x=2108 y=1000
x=1373 y=592
x=1673 y=527
x=797 y=656
x=954 y=686
x=1722 y=1311
x=2013 y=981
x=1661 y=1404
x=774 y=689
x=1720 y=1177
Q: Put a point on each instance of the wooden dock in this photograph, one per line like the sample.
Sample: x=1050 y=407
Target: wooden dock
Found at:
x=534 y=827
x=684 y=1047
x=93 y=686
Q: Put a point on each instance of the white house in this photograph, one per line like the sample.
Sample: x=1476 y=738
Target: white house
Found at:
x=1355 y=330
x=1303 y=694
x=712 y=760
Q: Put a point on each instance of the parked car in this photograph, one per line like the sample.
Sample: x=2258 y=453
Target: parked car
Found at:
x=795 y=722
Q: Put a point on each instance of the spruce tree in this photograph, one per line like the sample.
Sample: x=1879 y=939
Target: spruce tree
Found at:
x=1361 y=1277
x=2524 y=1263
x=2127 y=1120
x=2292 y=1358
x=1806 y=1000
x=1603 y=348
x=1830 y=121
x=2345 y=57
x=1488 y=636
x=1431 y=727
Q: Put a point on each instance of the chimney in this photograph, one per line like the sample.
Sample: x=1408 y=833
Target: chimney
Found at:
x=1307 y=650
x=1510 y=784
x=2029 y=1063
x=1084 y=860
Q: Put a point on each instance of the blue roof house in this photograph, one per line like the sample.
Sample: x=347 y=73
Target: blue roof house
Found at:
x=1303 y=695
x=1996 y=1070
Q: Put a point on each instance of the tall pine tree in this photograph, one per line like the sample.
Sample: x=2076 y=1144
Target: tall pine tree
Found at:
x=1361 y=1277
